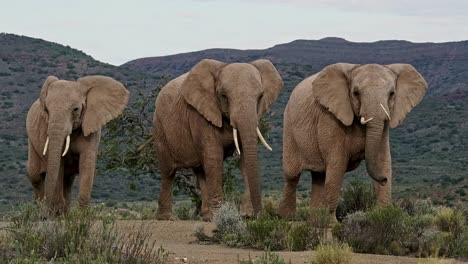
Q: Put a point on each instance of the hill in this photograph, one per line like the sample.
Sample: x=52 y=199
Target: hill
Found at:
x=430 y=149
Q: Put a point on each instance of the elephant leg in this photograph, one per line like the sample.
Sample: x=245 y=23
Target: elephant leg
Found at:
x=165 y=193
x=67 y=189
x=287 y=207
x=317 y=196
x=33 y=170
x=333 y=182
x=213 y=167
x=87 y=170
x=246 y=208
x=200 y=174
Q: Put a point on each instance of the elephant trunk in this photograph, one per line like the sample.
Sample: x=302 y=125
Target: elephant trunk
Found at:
x=53 y=186
x=251 y=168
x=246 y=123
x=375 y=141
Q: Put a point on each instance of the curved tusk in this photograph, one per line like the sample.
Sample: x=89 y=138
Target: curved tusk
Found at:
x=45 y=147
x=364 y=121
x=236 y=142
x=259 y=134
x=67 y=145
x=385 y=110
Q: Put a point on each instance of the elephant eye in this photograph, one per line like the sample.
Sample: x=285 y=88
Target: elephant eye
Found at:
x=392 y=93
x=75 y=109
x=356 y=93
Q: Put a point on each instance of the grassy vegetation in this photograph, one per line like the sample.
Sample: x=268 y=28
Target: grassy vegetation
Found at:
x=81 y=236
x=333 y=253
x=407 y=228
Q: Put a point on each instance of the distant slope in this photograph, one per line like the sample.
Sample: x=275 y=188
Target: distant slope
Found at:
x=443 y=64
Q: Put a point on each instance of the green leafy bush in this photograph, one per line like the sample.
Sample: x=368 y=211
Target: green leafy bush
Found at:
x=183 y=210
x=381 y=230
x=268 y=232
x=357 y=196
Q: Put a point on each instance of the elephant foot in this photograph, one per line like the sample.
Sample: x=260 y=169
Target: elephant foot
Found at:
x=165 y=216
x=287 y=212
x=246 y=210
x=207 y=216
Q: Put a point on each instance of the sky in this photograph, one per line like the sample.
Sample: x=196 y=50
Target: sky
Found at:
x=119 y=31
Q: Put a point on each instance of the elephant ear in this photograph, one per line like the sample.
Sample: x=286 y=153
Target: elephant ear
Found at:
x=271 y=81
x=331 y=89
x=199 y=90
x=106 y=98
x=44 y=89
x=410 y=89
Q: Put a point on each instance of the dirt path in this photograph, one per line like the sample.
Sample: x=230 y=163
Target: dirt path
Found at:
x=176 y=236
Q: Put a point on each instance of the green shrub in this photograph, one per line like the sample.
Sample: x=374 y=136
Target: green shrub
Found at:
x=268 y=232
x=298 y=237
x=357 y=196
x=333 y=253
x=449 y=220
x=381 y=230
x=183 y=210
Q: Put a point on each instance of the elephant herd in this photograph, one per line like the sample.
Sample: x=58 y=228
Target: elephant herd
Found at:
x=334 y=119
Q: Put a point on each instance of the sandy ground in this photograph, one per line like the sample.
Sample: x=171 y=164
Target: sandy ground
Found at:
x=176 y=236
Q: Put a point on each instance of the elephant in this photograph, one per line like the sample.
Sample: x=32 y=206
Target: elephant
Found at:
x=340 y=116
x=64 y=131
x=201 y=117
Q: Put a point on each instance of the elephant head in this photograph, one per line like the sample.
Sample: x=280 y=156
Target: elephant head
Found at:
x=239 y=94
x=377 y=96
x=67 y=106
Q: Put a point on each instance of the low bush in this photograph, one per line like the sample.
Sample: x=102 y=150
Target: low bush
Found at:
x=183 y=210
x=333 y=253
x=74 y=238
x=268 y=232
x=266 y=258
x=357 y=196
x=392 y=230
x=228 y=221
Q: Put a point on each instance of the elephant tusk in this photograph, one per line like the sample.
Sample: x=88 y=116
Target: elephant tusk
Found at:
x=236 y=142
x=45 y=146
x=385 y=110
x=364 y=121
x=67 y=145
x=259 y=134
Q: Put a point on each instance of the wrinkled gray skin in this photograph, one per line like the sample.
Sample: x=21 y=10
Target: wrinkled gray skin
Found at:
x=193 y=128
x=340 y=116
x=69 y=108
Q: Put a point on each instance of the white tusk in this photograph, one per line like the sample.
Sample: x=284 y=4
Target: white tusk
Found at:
x=385 y=110
x=364 y=121
x=45 y=146
x=67 y=145
x=259 y=134
x=236 y=142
